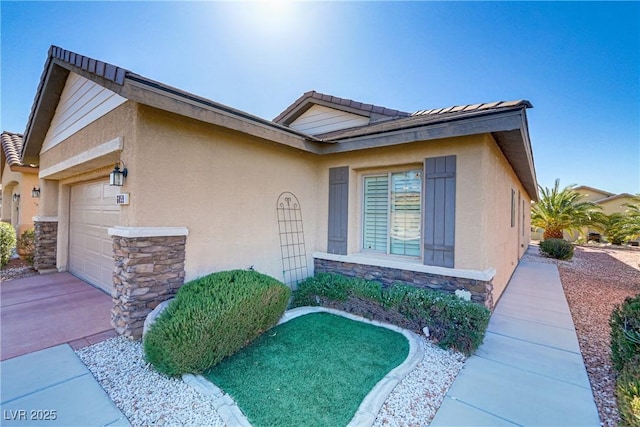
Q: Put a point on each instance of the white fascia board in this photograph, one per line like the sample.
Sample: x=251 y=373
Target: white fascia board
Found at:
x=483 y=275
x=133 y=232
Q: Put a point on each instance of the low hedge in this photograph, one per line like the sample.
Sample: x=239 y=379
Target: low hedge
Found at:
x=628 y=393
x=213 y=317
x=557 y=248
x=7 y=242
x=625 y=332
x=453 y=323
x=625 y=358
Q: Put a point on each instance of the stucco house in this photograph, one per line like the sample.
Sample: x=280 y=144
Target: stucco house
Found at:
x=610 y=202
x=437 y=198
x=20 y=185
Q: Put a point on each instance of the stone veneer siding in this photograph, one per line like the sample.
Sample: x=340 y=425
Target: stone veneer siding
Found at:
x=149 y=270
x=46 y=236
x=480 y=290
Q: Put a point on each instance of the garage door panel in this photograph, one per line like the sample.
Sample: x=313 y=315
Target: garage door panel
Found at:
x=93 y=210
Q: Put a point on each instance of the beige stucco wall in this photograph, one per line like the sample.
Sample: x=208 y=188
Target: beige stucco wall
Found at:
x=502 y=245
x=484 y=237
x=410 y=156
x=591 y=195
x=19 y=214
x=221 y=185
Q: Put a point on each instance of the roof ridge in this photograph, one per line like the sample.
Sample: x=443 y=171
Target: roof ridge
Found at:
x=475 y=107
x=365 y=108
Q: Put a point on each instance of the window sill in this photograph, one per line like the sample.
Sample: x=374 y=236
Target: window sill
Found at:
x=407 y=263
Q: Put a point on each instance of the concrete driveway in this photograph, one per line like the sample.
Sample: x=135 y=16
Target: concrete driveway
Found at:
x=43 y=311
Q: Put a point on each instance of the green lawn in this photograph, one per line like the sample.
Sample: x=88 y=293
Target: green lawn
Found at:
x=314 y=370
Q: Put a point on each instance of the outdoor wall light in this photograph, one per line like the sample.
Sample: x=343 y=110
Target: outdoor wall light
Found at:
x=35 y=193
x=117 y=176
x=16 y=197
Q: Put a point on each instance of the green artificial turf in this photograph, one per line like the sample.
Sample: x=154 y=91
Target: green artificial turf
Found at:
x=314 y=370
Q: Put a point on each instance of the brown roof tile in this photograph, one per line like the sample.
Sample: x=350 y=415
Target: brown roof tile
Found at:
x=12 y=146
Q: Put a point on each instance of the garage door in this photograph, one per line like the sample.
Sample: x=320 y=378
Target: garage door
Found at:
x=93 y=211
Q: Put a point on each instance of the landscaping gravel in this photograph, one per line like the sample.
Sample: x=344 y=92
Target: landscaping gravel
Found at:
x=595 y=281
x=144 y=396
x=148 y=398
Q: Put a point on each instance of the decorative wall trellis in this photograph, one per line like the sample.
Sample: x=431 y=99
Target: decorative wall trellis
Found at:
x=294 y=256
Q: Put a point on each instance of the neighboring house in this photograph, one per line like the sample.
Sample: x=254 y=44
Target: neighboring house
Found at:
x=610 y=203
x=18 y=205
x=437 y=198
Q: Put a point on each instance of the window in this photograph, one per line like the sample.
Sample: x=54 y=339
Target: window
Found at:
x=513 y=208
x=392 y=214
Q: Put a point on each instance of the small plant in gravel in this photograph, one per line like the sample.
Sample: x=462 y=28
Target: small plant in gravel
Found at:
x=26 y=245
x=7 y=242
x=453 y=323
x=557 y=248
x=213 y=317
x=628 y=393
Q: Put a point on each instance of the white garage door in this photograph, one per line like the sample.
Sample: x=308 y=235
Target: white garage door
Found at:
x=93 y=211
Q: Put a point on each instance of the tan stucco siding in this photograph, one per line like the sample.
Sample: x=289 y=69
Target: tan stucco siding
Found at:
x=223 y=186
x=85 y=150
x=616 y=205
x=468 y=151
x=19 y=213
x=503 y=244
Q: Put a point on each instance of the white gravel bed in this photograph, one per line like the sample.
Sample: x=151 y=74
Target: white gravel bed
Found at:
x=415 y=401
x=149 y=398
x=144 y=396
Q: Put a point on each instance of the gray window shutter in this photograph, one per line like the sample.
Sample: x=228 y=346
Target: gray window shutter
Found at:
x=338 y=210
x=439 y=210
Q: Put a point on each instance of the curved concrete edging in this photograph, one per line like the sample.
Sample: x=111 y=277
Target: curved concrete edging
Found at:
x=370 y=405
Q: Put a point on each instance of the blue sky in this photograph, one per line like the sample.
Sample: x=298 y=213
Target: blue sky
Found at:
x=578 y=63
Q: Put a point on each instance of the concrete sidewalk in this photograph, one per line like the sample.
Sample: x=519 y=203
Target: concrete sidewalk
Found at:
x=53 y=387
x=529 y=370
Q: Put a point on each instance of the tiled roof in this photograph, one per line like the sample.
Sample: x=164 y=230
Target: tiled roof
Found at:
x=427 y=117
x=368 y=110
x=474 y=107
x=12 y=146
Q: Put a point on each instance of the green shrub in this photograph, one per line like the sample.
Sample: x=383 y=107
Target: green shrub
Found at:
x=213 y=317
x=452 y=322
x=557 y=248
x=628 y=393
x=7 y=242
x=625 y=332
x=26 y=244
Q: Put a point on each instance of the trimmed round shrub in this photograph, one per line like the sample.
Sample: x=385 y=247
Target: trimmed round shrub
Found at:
x=557 y=248
x=7 y=242
x=213 y=317
x=625 y=332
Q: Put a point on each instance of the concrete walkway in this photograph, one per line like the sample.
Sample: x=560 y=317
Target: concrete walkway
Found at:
x=529 y=370
x=42 y=311
x=52 y=387
x=42 y=380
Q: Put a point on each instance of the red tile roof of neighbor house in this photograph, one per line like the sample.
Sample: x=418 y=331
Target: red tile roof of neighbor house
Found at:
x=11 y=146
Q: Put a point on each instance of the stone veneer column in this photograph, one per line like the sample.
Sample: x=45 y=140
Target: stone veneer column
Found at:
x=46 y=240
x=149 y=269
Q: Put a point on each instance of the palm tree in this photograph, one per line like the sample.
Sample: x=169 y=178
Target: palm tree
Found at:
x=563 y=209
x=631 y=221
